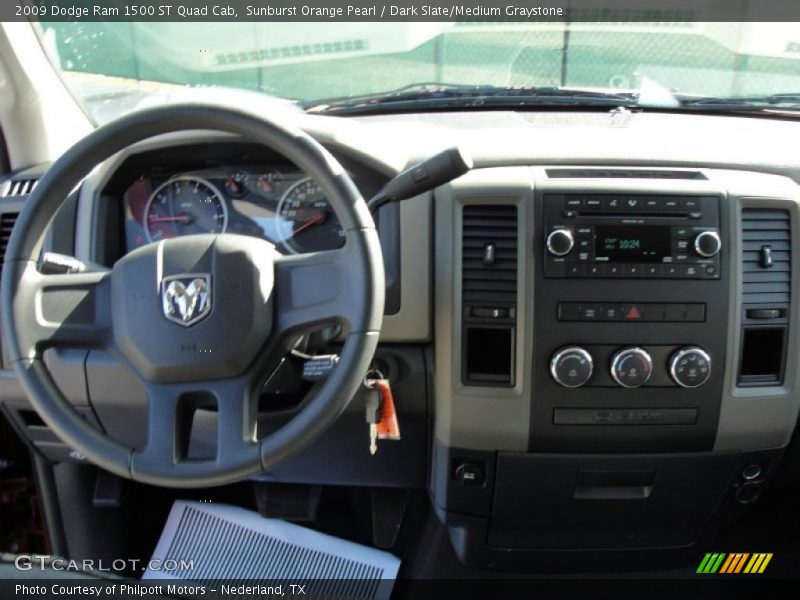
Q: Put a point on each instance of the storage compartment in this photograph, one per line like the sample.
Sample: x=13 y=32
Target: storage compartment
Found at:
x=560 y=502
x=762 y=356
x=489 y=353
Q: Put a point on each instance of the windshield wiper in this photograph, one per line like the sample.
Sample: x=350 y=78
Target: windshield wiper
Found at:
x=423 y=96
x=787 y=102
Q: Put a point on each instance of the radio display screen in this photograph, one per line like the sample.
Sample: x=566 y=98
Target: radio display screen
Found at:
x=632 y=243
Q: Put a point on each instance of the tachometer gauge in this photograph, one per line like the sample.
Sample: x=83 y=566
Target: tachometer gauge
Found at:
x=183 y=206
x=308 y=222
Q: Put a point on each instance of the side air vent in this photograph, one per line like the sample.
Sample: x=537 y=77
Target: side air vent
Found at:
x=489 y=294
x=622 y=174
x=7 y=221
x=766 y=246
x=766 y=290
x=18 y=187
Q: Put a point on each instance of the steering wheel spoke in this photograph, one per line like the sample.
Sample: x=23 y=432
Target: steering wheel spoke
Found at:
x=63 y=310
x=173 y=413
x=325 y=288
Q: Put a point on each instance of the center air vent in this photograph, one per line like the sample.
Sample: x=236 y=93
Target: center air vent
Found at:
x=489 y=294
x=7 y=221
x=623 y=174
x=766 y=255
x=489 y=268
x=18 y=187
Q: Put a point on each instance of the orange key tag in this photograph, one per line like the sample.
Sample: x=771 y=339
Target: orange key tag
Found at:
x=388 y=427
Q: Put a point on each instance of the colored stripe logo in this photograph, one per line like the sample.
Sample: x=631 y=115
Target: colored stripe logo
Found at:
x=734 y=563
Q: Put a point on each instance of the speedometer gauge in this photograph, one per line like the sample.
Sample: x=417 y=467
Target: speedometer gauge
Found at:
x=183 y=206
x=307 y=220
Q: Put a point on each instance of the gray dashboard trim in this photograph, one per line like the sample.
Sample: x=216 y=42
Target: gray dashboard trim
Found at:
x=756 y=418
x=475 y=417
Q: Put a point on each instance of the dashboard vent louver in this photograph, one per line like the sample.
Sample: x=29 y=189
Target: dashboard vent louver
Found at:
x=18 y=187
x=7 y=221
x=489 y=250
x=622 y=174
x=766 y=239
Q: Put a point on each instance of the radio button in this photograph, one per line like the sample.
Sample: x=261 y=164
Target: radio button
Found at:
x=632 y=203
x=632 y=270
x=652 y=271
x=614 y=270
x=707 y=244
x=572 y=202
x=575 y=270
x=595 y=270
x=672 y=271
x=560 y=242
x=693 y=271
x=594 y=203
x=690 y=203
x=631 y=367
x=612 y=203
x=671 y=203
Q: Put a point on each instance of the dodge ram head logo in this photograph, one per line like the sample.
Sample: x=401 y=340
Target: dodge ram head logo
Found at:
x=186 y=299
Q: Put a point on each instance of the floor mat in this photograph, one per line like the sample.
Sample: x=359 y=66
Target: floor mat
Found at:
x=219 y=544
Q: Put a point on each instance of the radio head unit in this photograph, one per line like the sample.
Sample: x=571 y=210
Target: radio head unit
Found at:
x=627 y=235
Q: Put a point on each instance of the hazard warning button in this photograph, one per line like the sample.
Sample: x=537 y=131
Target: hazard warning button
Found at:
x=633 y=312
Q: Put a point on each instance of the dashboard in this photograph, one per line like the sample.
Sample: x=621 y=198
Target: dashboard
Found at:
x=601 y=309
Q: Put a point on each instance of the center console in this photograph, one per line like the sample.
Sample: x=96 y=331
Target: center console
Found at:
x=631 y=307
x=615 y=342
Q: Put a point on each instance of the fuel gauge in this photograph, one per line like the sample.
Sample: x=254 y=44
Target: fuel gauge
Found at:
x=236 y=184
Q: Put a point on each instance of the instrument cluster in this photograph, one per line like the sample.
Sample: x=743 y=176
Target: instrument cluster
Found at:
x=278 y=203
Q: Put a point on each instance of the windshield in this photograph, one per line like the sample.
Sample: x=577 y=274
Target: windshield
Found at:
x=117 y=66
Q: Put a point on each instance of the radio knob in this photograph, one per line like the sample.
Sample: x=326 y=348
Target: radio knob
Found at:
x=690 y=367
x=560 y=242
x=631 y=367
x=571 y=366
x=707 y=243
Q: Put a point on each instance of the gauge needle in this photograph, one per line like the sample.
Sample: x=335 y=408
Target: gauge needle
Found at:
x=309 y=223
x=168 y=219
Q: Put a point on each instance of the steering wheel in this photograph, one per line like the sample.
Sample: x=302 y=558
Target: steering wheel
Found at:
x=197 y=318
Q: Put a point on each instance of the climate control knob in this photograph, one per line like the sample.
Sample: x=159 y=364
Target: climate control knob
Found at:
x=707 y=244
x=631 y=367
x=571 y=366
x=690 y=367
x=560 y=242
